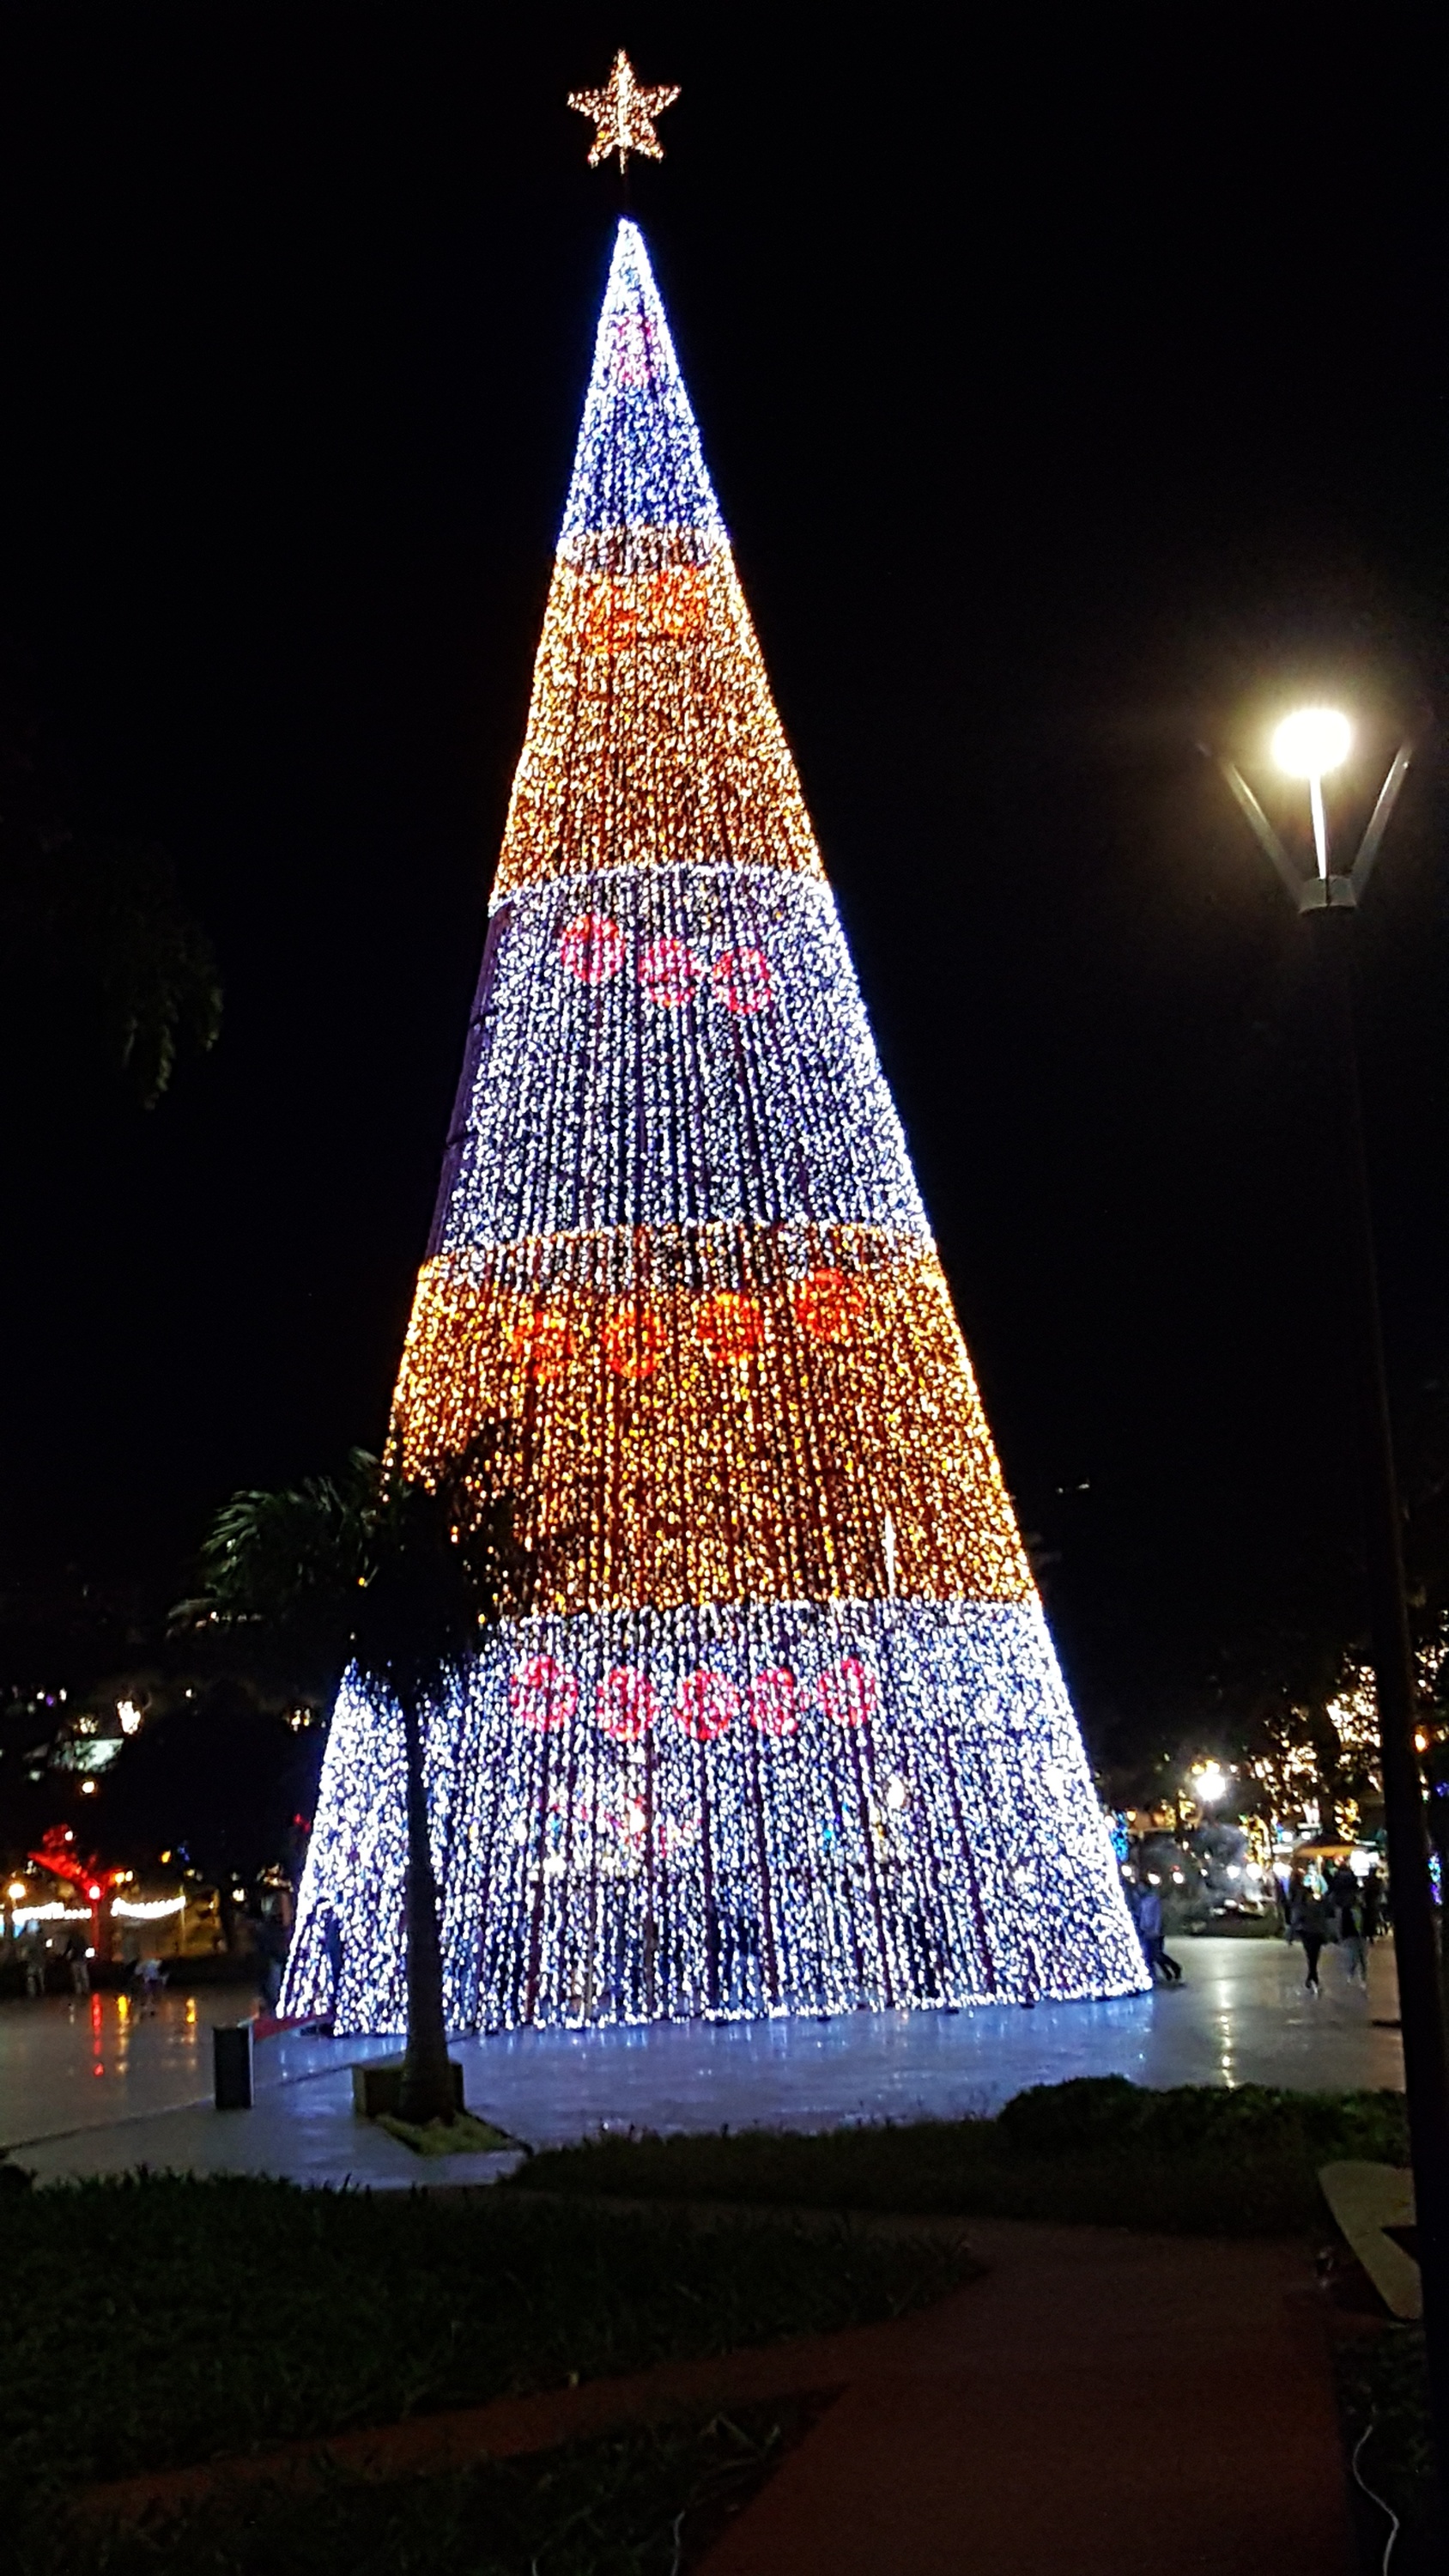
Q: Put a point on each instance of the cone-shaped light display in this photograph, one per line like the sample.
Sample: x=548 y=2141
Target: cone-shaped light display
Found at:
x=787 y=1732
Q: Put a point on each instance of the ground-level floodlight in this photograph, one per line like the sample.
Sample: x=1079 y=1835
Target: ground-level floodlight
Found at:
x=1308 y=745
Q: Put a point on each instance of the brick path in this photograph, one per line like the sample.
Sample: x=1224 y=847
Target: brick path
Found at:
x=1101 y=2398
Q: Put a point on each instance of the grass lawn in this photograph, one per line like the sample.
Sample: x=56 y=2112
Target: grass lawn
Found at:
x=1200 y=2160
x=162 y=2320
x=646 y=2503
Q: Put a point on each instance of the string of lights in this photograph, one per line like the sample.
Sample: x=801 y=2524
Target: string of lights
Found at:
x=737 y=1434
x=783 y=1729
x=667 y=1046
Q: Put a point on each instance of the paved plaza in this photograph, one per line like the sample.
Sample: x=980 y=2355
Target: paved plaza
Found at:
x=91 y=2087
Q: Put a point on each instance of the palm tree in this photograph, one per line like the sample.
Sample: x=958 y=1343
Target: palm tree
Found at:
x=395 y=1577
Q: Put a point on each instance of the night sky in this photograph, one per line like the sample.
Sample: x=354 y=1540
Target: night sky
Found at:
x=1073 y=394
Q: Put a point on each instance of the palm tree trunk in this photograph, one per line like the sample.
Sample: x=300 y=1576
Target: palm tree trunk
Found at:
x=427 y=2078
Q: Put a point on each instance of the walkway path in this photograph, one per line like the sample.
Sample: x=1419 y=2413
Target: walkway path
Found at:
x=87 y=2089
x=1097 y=2399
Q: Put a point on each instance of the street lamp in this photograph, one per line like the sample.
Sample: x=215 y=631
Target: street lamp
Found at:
x=1309 y=745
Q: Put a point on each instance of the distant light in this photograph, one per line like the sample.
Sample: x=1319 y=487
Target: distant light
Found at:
x=88 y=1788
x=94 y=1894
x=129 y=1715
x=1209 y=1784
x=1311 y=742
x=17 y=1890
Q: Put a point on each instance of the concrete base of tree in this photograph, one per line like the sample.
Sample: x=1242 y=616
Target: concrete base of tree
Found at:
x=377 y=2089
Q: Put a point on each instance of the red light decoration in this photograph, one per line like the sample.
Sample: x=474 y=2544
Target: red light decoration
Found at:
x=730 y=1326
x=544 y=1693
x=678 y=600
x=774 y=1698
x=633 y=1338
x=828 y=1304
x=627 y=1704
x=608 y=617
x=707 y=1703
x=742 y=981
x=669 y=972
x=848 y=1692
x=545 y=1344
x=592 y=948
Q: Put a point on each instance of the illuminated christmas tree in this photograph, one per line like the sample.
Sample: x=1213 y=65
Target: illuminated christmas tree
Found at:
x=786 y=1731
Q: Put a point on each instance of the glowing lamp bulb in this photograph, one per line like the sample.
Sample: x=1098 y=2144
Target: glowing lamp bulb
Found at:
x=1312 y=741
x=1209 y=1784
x=17 y=1891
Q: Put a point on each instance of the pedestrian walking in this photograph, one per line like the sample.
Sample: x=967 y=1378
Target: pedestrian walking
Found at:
x=1351 y=1934
x=1150 y=1931
x=273 y=1942
x=1373 y=1905
x=1311 y=1928
x=79 y=1966
x=333 y=1951
x=152 y=1977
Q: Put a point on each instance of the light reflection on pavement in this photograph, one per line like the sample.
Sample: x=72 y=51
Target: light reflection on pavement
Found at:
x=94 y=2086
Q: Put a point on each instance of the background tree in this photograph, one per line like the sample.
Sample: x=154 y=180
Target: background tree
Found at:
x=216 y=1774
x=102 y=968
x=396 y=1579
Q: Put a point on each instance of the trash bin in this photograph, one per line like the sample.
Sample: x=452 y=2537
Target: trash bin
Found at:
x=231 y=2043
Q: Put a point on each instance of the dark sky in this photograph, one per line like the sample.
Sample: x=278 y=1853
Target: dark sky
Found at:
x=1070 y=391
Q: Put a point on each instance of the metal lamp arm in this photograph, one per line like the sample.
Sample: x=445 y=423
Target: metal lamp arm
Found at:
x=1292 y=877
x=1378 y=822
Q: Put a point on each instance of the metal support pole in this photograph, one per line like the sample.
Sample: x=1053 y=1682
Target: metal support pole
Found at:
x=1421 y=1996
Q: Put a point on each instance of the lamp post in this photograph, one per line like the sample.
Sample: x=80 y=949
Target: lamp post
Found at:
x=1308 y=746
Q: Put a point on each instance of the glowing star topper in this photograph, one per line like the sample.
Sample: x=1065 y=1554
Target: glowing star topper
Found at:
x=624 y=113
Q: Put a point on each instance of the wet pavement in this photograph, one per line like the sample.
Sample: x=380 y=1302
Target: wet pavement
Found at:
x=92 y=2086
